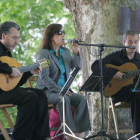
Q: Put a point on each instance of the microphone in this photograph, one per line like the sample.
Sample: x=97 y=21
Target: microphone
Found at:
x=132 y=47
x=73 y=41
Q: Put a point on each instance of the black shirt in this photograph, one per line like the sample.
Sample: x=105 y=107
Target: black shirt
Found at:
x=4 y=68
x=118 y=58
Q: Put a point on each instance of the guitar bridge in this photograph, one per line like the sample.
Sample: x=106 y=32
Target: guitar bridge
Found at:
x=110 y=84
x=7 y=76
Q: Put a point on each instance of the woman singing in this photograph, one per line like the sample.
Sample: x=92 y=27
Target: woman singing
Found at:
x=53 y=78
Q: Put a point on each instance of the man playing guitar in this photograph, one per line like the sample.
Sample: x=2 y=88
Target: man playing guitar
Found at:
x=32 y=117
x=118 y=58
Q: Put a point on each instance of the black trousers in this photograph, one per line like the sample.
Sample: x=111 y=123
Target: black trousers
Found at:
x=32 y=118
x=125 y=95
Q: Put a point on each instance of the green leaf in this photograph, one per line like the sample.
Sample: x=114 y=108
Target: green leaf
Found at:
x=33 y=16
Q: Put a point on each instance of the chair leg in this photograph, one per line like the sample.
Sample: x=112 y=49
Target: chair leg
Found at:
x=4 y=132
x=115 y=118
x=109 y=118
x=8 y=118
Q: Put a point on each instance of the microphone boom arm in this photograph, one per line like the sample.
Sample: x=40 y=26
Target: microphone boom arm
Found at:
x=103 y=45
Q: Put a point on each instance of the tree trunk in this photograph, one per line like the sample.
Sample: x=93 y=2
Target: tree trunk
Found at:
x=96 y=22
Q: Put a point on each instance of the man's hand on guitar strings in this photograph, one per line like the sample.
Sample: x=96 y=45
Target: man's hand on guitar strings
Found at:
x=15 y=73
x=118 y=75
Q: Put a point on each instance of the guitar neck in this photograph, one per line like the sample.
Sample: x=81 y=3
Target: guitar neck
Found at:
x=28 y=68
x=133 y=73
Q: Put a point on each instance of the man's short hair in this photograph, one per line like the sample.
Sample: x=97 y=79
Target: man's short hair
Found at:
x=6 y=26
x=129 y=32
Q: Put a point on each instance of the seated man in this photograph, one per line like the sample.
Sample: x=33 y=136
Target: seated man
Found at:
x=118 y=58
x=32 y=121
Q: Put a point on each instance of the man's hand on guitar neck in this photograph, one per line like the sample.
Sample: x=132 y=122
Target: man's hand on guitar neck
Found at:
x=118 y=75
x=36 y=71
x=15 y=73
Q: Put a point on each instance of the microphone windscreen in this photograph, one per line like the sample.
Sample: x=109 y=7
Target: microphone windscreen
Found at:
x=72 y=41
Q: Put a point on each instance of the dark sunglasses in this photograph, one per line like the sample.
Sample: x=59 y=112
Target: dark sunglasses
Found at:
x=61 y=32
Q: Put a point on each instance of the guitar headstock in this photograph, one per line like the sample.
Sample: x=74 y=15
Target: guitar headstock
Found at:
x=44 y=63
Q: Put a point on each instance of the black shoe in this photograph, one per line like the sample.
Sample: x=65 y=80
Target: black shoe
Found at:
x=16 y=139
x=38 y=139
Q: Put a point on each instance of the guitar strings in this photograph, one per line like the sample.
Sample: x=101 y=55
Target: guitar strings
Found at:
x=136 y=85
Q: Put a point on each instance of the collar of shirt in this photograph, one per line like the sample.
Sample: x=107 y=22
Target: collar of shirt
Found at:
x=136 y=56
x=7 y=52
x=61 y=50
x=4 y=48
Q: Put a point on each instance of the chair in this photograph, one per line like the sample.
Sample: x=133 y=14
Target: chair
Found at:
x=4 y=107
x=9 y=120
x=111 y=108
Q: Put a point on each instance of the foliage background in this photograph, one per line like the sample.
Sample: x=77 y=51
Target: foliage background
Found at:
x=33 y=16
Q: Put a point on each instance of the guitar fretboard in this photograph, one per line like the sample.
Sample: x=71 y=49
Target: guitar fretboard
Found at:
x=28 y=68
x=130 y=74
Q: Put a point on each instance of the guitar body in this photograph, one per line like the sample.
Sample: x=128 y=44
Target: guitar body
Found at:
x=115 y=85
x=8 y=82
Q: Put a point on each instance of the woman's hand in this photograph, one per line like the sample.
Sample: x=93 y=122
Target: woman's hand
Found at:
x=75 y=48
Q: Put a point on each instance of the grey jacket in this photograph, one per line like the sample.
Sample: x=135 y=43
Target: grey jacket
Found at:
x=49 y=76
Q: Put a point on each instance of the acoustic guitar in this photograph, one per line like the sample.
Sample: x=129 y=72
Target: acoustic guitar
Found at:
x=7 y=82
x=130 y=71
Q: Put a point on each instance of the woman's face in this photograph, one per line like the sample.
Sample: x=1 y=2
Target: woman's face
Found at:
x=59 y=38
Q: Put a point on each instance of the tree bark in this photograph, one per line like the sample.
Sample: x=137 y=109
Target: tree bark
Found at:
x=96 y=22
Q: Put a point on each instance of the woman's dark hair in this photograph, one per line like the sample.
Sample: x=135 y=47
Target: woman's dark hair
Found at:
x=6 y=27
x=49 y=32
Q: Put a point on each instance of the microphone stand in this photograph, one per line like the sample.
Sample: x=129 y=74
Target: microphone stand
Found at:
x=62 y=93
x=100 y=46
